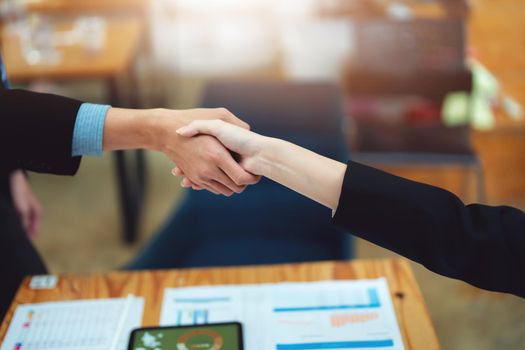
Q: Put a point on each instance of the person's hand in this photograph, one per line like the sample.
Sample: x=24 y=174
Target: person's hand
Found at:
x=203 y=160
x=246 y=144
x=26 y=203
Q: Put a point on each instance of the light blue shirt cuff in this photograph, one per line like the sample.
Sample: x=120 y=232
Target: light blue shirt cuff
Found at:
x=89 y=130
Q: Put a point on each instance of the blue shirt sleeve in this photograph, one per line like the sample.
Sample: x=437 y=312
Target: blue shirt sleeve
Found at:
x=89 y=130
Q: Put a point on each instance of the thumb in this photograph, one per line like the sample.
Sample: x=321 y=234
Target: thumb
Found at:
x=210 y=127
x=187 y=131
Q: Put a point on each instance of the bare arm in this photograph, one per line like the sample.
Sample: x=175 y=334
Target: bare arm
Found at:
x=203 y=159
x=479 y=244
x=299 y=169
x=314 y=176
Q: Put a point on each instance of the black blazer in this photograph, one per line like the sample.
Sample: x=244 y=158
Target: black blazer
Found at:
x=36 y=133
x=479 y=244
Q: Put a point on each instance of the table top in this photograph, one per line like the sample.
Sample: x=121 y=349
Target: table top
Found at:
x=83 y=6
x=412 y=315
x=123 y=36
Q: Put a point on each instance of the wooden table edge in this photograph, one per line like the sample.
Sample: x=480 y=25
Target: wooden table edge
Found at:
x=336 y=266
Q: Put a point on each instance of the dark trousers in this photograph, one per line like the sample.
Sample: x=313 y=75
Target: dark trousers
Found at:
x=18 y=257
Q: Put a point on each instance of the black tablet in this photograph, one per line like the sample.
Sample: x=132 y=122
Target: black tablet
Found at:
x=213 y=336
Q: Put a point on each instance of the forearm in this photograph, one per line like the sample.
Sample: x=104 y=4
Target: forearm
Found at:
x=130 y=129
x=314 y=176
x=479 y=244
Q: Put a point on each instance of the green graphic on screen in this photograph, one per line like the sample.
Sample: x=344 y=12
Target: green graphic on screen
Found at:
x=220 y=337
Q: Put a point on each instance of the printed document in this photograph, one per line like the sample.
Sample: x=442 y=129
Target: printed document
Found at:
x=293 y=316
x=101 y=324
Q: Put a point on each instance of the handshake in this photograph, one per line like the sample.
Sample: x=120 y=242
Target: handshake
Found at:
x=216 y=151
x=212 y=148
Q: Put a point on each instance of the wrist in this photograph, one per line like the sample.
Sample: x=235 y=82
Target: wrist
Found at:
x=161 y=125
x=154 y=124
x=269 y=156
x=130 y=129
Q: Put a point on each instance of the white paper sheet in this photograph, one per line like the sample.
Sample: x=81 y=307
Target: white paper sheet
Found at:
x=102 y=324
x=293 y=316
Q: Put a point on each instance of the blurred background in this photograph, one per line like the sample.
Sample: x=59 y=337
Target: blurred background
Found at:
x=427 y=89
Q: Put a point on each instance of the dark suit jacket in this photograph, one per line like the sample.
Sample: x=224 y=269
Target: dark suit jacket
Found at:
x=36 y=132
x=479 y=244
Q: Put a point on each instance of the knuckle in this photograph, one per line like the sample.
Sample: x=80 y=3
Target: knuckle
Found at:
x=238 y=179
x=215 y=155
x=206 y=174
x=223 y=112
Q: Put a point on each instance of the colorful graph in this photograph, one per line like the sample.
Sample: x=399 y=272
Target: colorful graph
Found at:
x=341 y=320
x=192 y=317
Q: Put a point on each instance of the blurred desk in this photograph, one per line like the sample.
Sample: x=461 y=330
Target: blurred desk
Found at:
x=85 y=6
x=68 y=8
x=412 y=315
x=122 y=39
x=115 y=60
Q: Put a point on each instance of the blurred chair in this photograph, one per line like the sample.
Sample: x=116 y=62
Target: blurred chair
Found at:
x=423 y=58
x=267 y=223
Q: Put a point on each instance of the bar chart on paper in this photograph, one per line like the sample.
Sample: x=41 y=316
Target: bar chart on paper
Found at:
x=294 y=316
x=335 y=316
x=103 y=324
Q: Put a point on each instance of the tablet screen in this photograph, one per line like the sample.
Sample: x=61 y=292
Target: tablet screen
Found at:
x=225 y=336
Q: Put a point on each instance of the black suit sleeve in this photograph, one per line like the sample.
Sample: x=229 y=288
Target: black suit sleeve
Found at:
x=36 y=132
x=481 y=245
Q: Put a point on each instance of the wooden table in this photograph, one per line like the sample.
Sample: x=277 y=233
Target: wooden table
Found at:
x=123 y=36
x=412 y=315
x=122 y=40
x=83 y=6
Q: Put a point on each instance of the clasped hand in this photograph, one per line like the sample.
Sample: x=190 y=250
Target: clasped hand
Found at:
x=203 y=160
x=242 y=141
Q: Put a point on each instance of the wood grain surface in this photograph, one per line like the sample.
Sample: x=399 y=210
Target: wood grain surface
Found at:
x=414 y=322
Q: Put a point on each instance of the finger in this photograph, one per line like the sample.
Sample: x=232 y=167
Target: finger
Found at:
x=222 y=178
x=231 y=118
x=235 y=172
x=210 y=127
x=210 y=187
x=187 y=183
x=177 y=171
x=199 y=186
x=218 y=188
